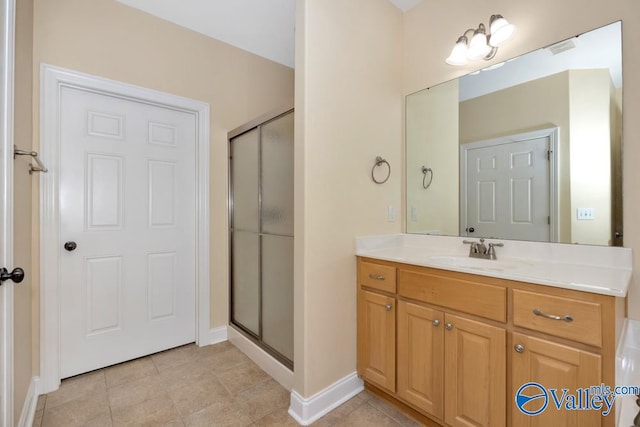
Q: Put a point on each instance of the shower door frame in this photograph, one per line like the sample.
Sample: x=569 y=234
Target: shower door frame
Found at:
x=253 y=124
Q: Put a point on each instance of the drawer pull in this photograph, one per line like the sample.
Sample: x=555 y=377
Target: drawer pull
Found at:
x=435 y=322
x=376 y=277
x=566 y=317
x=388 y=307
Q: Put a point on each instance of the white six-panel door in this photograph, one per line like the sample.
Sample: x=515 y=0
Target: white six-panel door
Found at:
x=128 y=201
x=507 y=188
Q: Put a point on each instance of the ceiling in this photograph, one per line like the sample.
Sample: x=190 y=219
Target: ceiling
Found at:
x=265 y=28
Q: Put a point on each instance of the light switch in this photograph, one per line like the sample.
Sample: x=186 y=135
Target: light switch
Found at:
x=392 y=214
x=585 y=214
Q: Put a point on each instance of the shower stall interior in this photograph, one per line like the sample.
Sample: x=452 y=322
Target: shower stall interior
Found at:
x=261 y=233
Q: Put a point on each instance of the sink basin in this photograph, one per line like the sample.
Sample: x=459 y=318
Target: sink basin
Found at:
x=477 y=263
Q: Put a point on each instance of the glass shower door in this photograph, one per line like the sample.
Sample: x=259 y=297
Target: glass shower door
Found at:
x=245 y=239
x=262 y=235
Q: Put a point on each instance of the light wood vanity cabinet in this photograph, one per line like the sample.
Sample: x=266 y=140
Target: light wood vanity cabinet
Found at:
x=377 y=339
x=421 y=357
x=555 y=366
x=474 y=372
x=456 y=347
x=377 y=324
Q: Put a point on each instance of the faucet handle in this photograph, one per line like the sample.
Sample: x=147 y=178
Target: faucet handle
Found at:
x=492 y=252
x=473 y=249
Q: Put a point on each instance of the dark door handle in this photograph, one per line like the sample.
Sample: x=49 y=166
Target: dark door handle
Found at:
x=17 y=275
x=70 y=246
x=471 y=229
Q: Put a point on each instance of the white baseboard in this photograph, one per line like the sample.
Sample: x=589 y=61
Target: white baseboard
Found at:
x=267 y=363
x=30 y=403
x=215 y=336
x=218 y=334
x=308 y=410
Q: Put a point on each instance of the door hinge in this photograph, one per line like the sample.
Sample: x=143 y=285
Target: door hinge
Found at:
x=549 y=220
x=549 y=155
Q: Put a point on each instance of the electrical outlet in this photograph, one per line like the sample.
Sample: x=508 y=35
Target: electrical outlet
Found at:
x=585 y=214
x=414 y=213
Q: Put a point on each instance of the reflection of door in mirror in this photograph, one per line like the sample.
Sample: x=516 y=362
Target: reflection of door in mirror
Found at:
x=508 y=187
x=574 y=86
x=582 y=112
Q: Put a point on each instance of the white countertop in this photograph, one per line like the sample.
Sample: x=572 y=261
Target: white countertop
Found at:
x=597 y=269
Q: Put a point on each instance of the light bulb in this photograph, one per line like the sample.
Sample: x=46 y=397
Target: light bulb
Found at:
x=478 y=48
x=459 y=53
x=501 y=31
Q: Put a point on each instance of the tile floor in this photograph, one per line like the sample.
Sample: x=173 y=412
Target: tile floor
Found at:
x=193 y=386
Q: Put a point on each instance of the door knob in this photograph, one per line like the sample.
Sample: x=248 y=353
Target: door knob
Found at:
x=519 y=348
x=17 y=275
x=435 y=322
x=70 y=246
x=448 y=326
x=470 y=229
x=388 y=307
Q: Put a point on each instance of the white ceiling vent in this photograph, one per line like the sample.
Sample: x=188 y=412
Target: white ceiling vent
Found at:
x=563 y=46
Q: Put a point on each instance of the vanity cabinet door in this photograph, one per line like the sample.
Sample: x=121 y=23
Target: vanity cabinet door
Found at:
x=553 y=366
x=421 y=357
x=475 y=373
x=377 y=339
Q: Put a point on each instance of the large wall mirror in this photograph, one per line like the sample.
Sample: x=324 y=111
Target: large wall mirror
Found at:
x=530 y=149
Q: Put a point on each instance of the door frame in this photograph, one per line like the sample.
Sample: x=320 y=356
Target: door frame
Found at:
x=552 y=134
x=6 y=209
x=52 y=80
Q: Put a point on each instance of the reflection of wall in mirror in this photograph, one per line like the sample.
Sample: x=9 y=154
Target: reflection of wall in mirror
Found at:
x=583 y=118
x=616 y=164
x=432 y=115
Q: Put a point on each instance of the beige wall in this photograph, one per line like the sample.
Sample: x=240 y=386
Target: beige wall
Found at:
x=108 y=39
x=432 y=140
x=431 y=28
x=22 y=350
x=348 y=111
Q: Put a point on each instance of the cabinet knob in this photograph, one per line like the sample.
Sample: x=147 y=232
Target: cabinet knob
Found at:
x=448 y=326
x=519 y=348
x=435 y=322
x=388 y=307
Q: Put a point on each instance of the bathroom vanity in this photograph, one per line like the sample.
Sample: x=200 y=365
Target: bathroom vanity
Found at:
x=453 y=338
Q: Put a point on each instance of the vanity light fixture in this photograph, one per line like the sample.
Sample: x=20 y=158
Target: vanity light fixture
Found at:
x=482 y=45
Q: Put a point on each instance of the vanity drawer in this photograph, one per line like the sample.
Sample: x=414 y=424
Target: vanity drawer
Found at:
x=377 y=276
x=553 y=314
x=471 y=297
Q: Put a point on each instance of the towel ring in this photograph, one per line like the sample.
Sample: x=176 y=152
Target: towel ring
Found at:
x=380 y=161
x=427 y=171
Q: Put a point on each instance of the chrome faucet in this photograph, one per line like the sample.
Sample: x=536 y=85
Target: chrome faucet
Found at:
x=480 y=250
